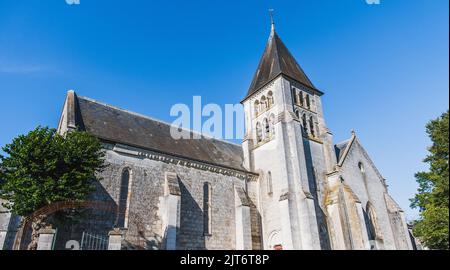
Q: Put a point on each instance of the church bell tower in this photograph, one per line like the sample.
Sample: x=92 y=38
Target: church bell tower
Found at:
x=285 y=135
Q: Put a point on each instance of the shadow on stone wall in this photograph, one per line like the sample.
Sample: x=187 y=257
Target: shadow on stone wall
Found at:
x=137 y=237
x=14 y=226
x=191 y=235
x=256 y=220
x=325 y=242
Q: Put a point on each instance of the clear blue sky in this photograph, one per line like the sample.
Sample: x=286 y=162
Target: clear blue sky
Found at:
x=383 y=68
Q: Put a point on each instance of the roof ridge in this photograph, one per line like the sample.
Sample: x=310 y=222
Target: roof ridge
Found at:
x=343 y=142
x=154 y=119
x=347 y=149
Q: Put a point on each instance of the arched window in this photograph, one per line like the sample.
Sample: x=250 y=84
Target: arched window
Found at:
x=266 y=128
x=370 y=217
x=369 y=227
x=207 y=203
x=302 y=102
x=269 y=183
x=305 y=124
x=258 y=132
x=125 y=181
x=297 y=113
x=270 y=100
x=275 y=240
x=311 y=126
x=272 y=124
x=308 y=102
x=256 y=108
x=263 y=103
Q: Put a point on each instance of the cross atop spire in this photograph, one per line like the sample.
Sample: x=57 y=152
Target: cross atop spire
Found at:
x=272 y=22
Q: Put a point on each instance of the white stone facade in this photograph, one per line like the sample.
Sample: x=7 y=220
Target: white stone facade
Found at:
x=307 y=178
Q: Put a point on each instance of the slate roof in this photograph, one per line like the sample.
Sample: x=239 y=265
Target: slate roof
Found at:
x=116 y=125
x=340 y=149
x=275 y=61
x=343 y=148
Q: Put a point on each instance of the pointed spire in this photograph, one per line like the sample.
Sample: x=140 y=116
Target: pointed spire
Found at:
x=276 y=61
x=272 y=22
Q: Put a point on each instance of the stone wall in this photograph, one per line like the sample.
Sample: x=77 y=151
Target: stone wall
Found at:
x=374 y=191
x=146 y=202
x=9 y=225
x=287 y=209
x=4 y=224
x=314 y=153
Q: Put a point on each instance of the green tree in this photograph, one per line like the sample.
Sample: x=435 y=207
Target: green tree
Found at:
x=44 y=167
x=432 y=197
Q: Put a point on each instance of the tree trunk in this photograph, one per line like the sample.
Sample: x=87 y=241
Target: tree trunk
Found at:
x=37 y=224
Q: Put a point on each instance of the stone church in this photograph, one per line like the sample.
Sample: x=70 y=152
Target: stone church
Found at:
x=287 y=187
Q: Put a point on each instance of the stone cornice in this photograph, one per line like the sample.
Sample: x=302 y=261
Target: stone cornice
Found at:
x=267 y=86
x=176 y=160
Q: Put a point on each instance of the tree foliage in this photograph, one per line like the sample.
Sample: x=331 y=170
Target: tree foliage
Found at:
x=44 y=167
x=432 y=197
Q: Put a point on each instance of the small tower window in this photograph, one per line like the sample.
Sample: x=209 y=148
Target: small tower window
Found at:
x=263 y=103
x=302 y=101
x=316 y=128
x=269 y=183
x=272 y=124
x=256 y=108
x=266 y=128
x=311 y=126
x=270 y=100
x=258 y=132
x=361 y=167
x=308 y=102
x=295 y=95
x=207 y=203
x=305 y=124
